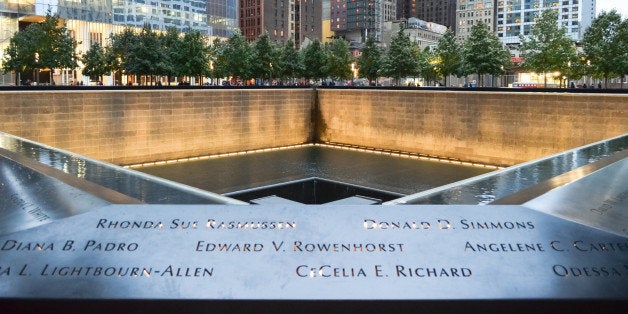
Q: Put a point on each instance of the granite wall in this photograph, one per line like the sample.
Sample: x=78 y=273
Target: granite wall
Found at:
x=499 y=128
x=127 y=126
x=134 y=126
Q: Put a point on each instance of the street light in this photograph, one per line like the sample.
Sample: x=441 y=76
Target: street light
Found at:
x=37 y=67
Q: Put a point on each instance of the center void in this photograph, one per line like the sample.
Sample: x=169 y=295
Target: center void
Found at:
x=314 y=191
x=314 y=175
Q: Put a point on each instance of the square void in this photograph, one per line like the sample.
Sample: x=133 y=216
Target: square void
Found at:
x=314 y=191
x=314 y=175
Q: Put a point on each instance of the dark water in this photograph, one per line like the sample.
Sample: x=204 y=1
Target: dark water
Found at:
x=131 y=183
x=388 y=173
x=513 y=179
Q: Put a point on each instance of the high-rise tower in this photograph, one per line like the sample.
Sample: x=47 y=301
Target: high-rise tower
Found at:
x=282 y=20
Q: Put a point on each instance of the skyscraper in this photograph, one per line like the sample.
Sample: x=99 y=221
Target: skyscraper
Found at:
x=161 y=14
x=222 y=17
x=470 y=12
x=514 y=17
x=437 y=11
x=282 y=20
x=355 y=20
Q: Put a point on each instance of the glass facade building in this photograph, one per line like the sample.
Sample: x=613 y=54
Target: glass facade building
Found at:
x=91 y=21
x=222 y=17
x=514 y=17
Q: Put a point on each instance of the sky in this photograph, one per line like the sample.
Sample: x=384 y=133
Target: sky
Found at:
x=607 y=5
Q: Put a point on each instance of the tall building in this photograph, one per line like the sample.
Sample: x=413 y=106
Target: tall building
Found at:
x=327 y=33
x=514 y=17
x=309 y=17
x=438 y=11
x=355 y=20
x=222 y=17
x=161 y=14
x=90 y=21
x=282 y=20
x=470 y=12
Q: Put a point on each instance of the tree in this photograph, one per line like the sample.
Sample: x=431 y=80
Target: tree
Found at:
x=193 y=55
x=428 y=65
x=96 y=62
x=622 y=59
x=45 y=45
x=400 y=61
x=547 y=49
x=290 y=62
x=265 y=58
x=339 y=60
x=602 y=45
x=147 y=56
x=370 y=61
x=483 y=53
x=122 y=44
x=172 y=42
x=58 y=50
x=315 y=61
x=218 y=59
x=21 y=54
x=447 y=56
x=238 y=56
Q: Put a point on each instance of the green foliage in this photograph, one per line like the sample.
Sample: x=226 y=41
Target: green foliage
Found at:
x=622 y=43
x=339 y=60
x=23 y=50
x=447 y=56
x=172 y=43
x=146 y=56
x=604 y=45
x=121 y=46
x=483 y=53
x=238 y=56
x=370 y=61
x=45 y=45
x=58 y=49
x=265 y=58
x=193 y=55
x=218 y=59
x=315 y=60
x=400 y=61
x=290 y=62
x=428 y=64
x=96 y=61
x=547 y=48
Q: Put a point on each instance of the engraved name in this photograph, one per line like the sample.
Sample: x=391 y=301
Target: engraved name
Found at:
x=503 y=247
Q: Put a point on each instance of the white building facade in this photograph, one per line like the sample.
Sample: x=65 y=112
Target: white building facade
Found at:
x=514 y=17
x=471 y=12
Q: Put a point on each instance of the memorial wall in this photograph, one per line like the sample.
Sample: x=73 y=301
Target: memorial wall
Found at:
x=133 y=126
x=500 y=128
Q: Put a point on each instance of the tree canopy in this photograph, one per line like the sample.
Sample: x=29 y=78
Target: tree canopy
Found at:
x=604 y=44
x=483 y=53
x=401 y=59
x=447 y=56
x=45 y=45
x=547 y=49
x=370 y=61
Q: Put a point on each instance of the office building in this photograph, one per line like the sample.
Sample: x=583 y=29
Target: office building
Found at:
x=356 y=20
x=222 y=17
x=471 y=12
x=515 y=17
x=438 y=11
x=282 y=20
